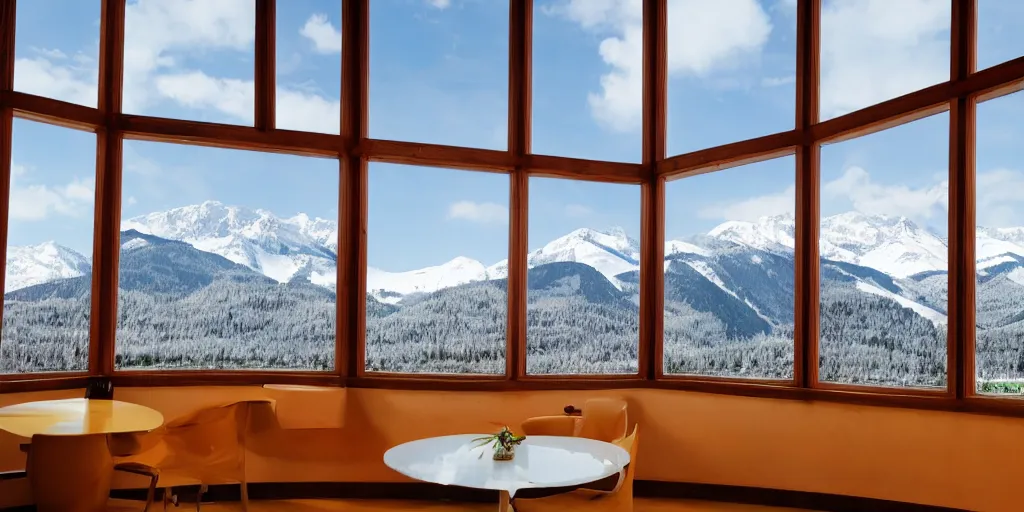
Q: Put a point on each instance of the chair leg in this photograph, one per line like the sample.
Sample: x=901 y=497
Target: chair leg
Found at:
x=245 y=497
x=199 y=495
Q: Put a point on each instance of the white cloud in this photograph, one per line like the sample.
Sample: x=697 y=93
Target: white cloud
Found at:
x=157 y=32
x=867 y=196
x=856 y=187
x=325 y=38
x=578 y=210
x=37 y=202
x=704 y=37
x=874 y=50
x=40 y=76
x=999 y=201
x=483 y=213
x=776 y=81
x=440 y=4
x=754 y=208
x=296 y=110
x=51 y=53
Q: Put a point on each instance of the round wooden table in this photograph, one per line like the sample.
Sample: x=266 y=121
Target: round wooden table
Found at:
x=73 y=434
x=541 y=462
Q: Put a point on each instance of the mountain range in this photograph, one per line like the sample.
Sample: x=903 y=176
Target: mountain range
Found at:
x=281 y=248
x=202 y=286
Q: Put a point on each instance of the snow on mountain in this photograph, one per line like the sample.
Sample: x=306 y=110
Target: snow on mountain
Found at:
x=993 y=244
x=278 y=248
x=928 y=313
x=610 y=253
x=773 y=234
x=893 y=245
x=36 y=264
x=390 y=286
x=679 y=246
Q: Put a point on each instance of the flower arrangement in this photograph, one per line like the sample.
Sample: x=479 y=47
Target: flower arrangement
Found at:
x=504 y=443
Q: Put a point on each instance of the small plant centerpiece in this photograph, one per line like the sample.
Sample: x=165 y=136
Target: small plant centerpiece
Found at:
x=504 y=443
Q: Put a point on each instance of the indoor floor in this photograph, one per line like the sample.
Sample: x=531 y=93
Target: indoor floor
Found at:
x=642 y=505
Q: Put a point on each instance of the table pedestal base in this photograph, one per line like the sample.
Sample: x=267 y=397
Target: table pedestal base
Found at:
x=70 y=473
x=504 y=502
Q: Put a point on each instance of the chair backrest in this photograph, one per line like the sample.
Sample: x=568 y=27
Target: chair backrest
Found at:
x=208 y=440
x=628 y=443
x=604 y=419
x=66 y=486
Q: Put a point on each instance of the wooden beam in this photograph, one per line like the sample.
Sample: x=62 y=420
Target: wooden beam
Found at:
x=7 y=37
x=350 y=346
x=266 y=65
x=434 y=155
x=731 y=155
x=226 y=136
x=808 y=177
x=51 y=111
x=107 y=234
x=652 y=191
x=962 y=207
x=520 y=35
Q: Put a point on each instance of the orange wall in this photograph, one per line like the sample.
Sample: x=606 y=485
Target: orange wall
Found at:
x=938 y=458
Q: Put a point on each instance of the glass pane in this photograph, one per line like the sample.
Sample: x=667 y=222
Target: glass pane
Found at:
x=48 y=277
x=999 y=246
x=884 y=257
x=729 y=269
x=60 y=63
x=873 y=51
x=190 y=60
x=309 y=65
x=228 y=259
x=999 y=31
x=732 y=71
x=583 y=280
x=439 y=72
x=588 y=79
x=436 y=297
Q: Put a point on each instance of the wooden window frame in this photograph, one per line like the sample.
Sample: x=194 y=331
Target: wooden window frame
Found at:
x=354 y=150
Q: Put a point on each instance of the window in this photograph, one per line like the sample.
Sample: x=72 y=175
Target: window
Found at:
x=588 y=79
x=228 y=259
x=439 y=72
x=48 y=277
x=729 y=269
x=732 y=71
x=884 y=257
x=59 y=64
x=583 y=277
x=999 y=247
x=190 y=60
x=999 y=28
x=309 y=65
x=437 y=255
x=870 y=53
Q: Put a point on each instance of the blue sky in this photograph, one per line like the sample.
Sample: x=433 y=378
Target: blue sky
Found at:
x=439 y=74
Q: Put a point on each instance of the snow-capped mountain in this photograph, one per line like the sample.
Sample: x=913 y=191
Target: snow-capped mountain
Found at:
x=278 y=248
x=773 y=234
x=36 y=264
x=996 y=245
x=893 y=245
x=390 y=287
x=611 y=252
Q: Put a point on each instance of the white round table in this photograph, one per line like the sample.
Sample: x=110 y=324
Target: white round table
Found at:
x=540 y=462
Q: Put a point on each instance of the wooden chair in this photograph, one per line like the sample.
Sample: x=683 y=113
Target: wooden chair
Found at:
x=603 y=419
x=204 y=448
x=617 y=499
x=71 y=490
